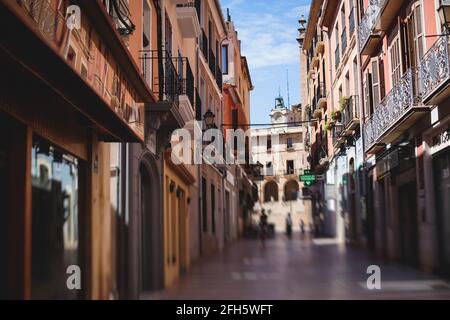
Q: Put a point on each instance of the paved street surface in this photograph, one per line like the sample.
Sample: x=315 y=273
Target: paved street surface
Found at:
x=299 y=269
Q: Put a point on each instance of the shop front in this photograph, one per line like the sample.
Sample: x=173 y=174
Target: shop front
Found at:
x=437 y=165
x=60 y=106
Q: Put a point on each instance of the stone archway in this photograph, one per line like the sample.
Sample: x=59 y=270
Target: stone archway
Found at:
x=271 y=191
x=291 y=189
x=151 y=244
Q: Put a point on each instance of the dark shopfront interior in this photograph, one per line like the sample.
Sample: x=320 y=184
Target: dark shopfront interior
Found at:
x=441 y=167
x=49 y=239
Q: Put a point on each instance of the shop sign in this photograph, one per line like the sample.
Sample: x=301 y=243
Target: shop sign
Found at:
x=440 y=141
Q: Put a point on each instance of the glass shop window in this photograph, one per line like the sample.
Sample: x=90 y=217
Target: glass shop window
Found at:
x=56 y=232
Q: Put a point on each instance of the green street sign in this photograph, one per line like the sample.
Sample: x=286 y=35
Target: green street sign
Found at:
x=308 y=178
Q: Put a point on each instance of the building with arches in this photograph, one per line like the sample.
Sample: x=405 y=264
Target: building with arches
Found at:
x=281 y=150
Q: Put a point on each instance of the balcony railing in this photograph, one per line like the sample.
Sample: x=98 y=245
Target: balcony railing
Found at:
x=435 y=69
x=350 y=114
x=393 y=107
x=368 y=21
x=51 y=23
x=167 y=82
x=186 y=77
x=119 y=11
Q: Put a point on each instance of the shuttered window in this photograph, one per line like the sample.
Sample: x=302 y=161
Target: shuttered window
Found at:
x=395 y=61
x=376 y=92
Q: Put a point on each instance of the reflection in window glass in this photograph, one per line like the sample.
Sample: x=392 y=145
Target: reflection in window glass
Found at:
x=55 y=220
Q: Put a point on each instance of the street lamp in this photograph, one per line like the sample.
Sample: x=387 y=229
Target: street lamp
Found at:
x=209 y=118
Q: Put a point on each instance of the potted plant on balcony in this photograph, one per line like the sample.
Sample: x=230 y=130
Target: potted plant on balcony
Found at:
x=343 y=102
x=329 y=125
x=336 y=115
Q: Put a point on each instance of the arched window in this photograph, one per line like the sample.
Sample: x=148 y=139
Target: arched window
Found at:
x=291 y=190
x=271 y=191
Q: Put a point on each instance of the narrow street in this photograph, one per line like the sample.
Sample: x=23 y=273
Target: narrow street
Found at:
x=299 y=269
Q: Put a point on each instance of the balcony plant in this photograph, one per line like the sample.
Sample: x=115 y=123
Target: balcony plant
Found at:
x=329 y=125
x=336 y=115
x=343 y=102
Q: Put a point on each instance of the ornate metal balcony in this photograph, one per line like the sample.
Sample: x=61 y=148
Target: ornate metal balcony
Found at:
x=350 y=116
x=399 y=108
x=435 y=72
x=368 y=22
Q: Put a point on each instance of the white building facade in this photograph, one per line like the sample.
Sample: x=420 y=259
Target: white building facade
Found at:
x=281 y=150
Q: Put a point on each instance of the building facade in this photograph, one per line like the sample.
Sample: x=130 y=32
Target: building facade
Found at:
x=280 y=150
x=84 y=90
x=385 y=154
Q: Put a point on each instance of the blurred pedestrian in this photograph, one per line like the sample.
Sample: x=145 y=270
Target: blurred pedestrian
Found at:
x=302 y=226
x=289 y=225
x=263 y=227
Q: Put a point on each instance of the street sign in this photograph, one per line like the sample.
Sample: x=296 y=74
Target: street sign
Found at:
x=308 y=178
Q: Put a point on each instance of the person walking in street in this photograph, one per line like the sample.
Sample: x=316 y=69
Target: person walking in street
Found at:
x=289 y=225
x=263 y=227
x=302 y=226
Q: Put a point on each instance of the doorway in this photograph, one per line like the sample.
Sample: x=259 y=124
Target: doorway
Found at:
x=409 y=252
x=151 y=227
x=441 y=166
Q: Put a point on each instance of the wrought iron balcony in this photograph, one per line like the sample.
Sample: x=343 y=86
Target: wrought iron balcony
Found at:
x=435 y=72
x=400 y=108
x=350 y=115
x=186 y=78
x=367 y=26
x=163 y=74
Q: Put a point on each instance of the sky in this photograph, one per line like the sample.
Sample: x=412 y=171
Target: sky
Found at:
x=268 y=31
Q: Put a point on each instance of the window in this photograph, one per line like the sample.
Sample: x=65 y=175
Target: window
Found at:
x=269 y=143
x=57 y=220
x=394 y=56
x=367 y=85
x=290 y=166
x=355 y=76
x=269 y=169
x=225 y=59
x=290 y=143
x=347 y=84
x=418 y=34
x=376 y=95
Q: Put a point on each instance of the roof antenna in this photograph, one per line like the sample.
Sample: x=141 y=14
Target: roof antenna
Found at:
x=288 y=94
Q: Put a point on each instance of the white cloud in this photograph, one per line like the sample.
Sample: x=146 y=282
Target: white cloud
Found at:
x=268 y=39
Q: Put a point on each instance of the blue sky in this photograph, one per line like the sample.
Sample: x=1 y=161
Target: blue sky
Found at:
x=268 y=30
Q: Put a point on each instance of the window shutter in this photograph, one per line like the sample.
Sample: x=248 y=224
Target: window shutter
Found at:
x=376 y=93
x=368 y=108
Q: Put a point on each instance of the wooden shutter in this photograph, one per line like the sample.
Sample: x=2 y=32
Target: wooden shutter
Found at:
x=368 y=108
x=376 y=92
